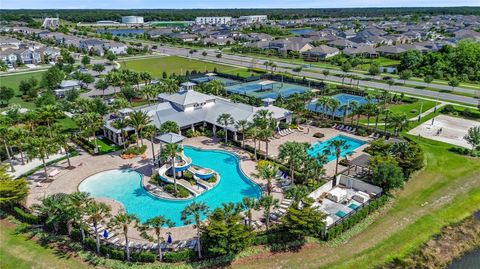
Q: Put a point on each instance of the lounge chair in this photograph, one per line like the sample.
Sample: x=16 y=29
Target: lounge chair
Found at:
x=371 y=135
x=340 y=127
x=334 y=126
x=354 y=130
x=54 y=172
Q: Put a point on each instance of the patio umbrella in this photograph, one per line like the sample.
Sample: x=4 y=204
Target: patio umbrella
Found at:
x=105 y=234
x=169 y=240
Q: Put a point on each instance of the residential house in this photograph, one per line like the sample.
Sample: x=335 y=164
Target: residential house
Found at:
x=390 y=50
x=342 y=43
x=321 y=52
x=286 y=45
x=361 y=51
x=115 y=47
x=9 y=56
x=92 y=45
x=66 y=86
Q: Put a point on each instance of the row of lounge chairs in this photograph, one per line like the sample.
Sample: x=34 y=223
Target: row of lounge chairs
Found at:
x=375 y=135
x=345 y=128
x=286 y=132
x=283 y=179
x=282 y=209
x=119 y=242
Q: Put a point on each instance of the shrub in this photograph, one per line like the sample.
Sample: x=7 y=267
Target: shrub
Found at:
x=319 y=135
x=25 y=216
x=143 y=256
x=362 y=132
x=135 y=150
x=179 y=256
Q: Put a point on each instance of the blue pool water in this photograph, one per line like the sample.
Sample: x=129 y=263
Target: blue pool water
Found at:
x=344 y=99
x=125 y=186
x=320 y=147
x=301 y=31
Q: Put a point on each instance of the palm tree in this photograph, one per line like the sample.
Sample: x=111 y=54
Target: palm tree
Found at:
x=265 y=135
x=149 y=92
x=122 y=222
x=338 y=146
x=139 y=119
x=5 y=136
x=171 y=151
x=150 y=131
x=195 y=210
x=267 y=203
x=292 y=153
x=146 y=77
x=169 y=127
x=49 y=114
x=41 y=147
x=62 y=140
x=96 y=214
x=94 y=122
x=368 y=109
x=253 y=132
x=344 y=108
x=79 y=202
x=353 y=106
x=216 y=86
x=399 y=123
x=268 y=173
x=225 y=119
x=53 y=209
x=242 y=125
x=297 y=193
x=19 y=136
x=169 y=86
x=387 y=113
x=334 y=104
x=249 y=204
x=155 y=224
x=121 y=124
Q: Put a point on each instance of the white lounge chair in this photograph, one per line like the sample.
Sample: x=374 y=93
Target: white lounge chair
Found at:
x=54 y=172
x=354 y=130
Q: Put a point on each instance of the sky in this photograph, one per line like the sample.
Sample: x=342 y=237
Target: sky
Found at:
x=180 y=4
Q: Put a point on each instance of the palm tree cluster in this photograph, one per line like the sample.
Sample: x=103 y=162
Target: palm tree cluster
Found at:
x=33 y=134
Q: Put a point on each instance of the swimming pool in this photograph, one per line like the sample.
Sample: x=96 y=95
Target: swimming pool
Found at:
x=320 y=147
x=126 y=187
x=344 y=99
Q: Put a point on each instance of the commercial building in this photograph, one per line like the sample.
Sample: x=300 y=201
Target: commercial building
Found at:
x=252 y=19
x=132 y=19
x=213 y=20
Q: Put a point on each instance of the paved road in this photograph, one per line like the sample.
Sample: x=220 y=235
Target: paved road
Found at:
x=247 y=62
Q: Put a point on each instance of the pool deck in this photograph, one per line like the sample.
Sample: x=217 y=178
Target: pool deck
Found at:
x=68 y=180
x=307 y=136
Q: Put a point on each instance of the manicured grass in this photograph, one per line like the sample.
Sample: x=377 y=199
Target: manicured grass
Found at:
x=174 y=64
x=106 y=146
x=19 y=252
x=67 y=125
x=408 y=108
x=445 y=191
x=13 y=81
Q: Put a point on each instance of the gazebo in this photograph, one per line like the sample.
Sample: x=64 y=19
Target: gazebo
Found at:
x=168 y=138
x=362 y=162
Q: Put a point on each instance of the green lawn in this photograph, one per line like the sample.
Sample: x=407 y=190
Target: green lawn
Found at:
x=444 y=192
x=67 y=125
x=106 y=146
x=19 y=252
x=174 y=64
x=406 y=109
x=14 y=80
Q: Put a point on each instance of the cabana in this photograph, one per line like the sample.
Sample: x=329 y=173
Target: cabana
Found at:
x=362 y=162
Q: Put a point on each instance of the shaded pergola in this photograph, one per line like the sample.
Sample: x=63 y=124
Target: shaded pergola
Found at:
x=362 y=162
x=168 y=138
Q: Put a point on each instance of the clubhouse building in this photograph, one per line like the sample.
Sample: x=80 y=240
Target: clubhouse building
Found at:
x=191 y=109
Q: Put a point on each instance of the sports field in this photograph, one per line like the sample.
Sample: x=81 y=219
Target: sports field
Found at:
x=178 y=65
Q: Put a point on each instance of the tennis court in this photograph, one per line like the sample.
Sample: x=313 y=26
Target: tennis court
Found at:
x=266 y=89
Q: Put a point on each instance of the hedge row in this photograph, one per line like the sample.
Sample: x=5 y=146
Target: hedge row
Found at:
x=84 y=144
x=352 y=220
x=179 y=256
x=25 y=216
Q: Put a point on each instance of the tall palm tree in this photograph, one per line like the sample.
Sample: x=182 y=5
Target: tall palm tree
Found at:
x=353 y=107
x=41 y=147
x=19 y=136
x=150 y=131
x=121 y=222
x=97 y=213
x=62 y=140
x=387 y=113
x=225 y=119
x=344 y=108
x=121 y=124
x=242 y=125
x=265 y=135
x=378 y=111
x=267 y=203
x=79 y=202
x=171 y=151
x=49 y=114
x=293 y=154
x=268 y=173
x=156 y=224
x=368 y=109
x=334 y=104
x=338 y=146
x=195 y=210
x=139 y=119
x=253 y=132
x=249 y=204
x=146 y=77
x=5 y=136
